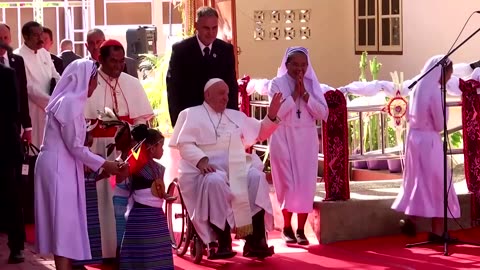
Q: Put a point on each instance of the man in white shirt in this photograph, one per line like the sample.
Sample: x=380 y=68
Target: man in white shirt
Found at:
x=41 y=75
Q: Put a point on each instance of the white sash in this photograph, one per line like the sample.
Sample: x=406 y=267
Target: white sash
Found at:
x=237 y=167
x=145 y=197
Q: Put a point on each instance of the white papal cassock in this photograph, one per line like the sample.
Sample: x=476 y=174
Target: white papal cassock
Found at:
x=208 y=197
x=128 y=99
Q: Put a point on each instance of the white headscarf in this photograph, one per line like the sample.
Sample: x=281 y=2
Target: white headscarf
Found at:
x=476 y=74
x=428 y=87
x=310 y=75
x=70 y=95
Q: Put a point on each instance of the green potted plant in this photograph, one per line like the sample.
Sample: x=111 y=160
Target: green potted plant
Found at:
x=154 y=70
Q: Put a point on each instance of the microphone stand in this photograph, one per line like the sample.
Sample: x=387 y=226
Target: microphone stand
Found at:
x=445 y=238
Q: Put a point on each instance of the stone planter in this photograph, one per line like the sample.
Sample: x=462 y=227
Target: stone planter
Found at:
x=360 y=165
x=377 y=165
x=395 y=165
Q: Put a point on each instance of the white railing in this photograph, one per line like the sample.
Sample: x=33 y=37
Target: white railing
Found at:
x=360 y=114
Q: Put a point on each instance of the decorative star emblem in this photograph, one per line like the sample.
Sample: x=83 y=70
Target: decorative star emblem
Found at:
x=396 y=108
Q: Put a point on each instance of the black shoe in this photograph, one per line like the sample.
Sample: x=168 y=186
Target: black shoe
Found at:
x=16 y=257
x=301 y=238
x=408 y=227
x=433 y=237
x=288 y=235
x=257 y=252
x=221 y=254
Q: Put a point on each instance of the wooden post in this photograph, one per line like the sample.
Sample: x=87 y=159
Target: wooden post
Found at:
x=234 y=35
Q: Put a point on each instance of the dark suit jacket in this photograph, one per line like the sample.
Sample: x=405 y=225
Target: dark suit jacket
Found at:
x=131 y=67
x=10 y=142
x=68 y=57
x=189 y=71
x=58 y=63
x=16 y=62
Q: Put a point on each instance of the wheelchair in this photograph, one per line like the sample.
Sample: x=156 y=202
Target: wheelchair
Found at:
x=182 y=231
x=181 y=228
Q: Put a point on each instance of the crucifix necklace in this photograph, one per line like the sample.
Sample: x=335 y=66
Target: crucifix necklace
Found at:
x=113 y=91
x=298 y=107
x=211 y=121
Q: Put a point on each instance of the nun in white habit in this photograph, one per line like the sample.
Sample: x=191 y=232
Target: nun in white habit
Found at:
x=60 y=215
x=294 y=146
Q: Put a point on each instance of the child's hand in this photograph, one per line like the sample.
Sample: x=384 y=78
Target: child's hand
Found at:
x=87 y=169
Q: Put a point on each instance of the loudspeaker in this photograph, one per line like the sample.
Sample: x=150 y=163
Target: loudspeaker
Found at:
x=142 y=40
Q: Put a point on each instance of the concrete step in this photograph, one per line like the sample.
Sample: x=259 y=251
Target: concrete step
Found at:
x=368 y=213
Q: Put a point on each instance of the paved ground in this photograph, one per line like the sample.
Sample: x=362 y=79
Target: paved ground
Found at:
x=32 y=260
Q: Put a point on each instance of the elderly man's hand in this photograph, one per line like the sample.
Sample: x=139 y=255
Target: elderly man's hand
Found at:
x=275 y=105
x=204 y=166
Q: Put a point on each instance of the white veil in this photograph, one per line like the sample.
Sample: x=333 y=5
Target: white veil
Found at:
x=70 y=94
x=428 y=87
x=310 y=75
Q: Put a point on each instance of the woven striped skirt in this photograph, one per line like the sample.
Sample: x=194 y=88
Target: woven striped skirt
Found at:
x=93 y=223
x=120 y=207
x=146 y=243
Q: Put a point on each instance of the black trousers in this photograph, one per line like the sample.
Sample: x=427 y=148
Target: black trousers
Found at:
x=256 y=239
x=11 y=205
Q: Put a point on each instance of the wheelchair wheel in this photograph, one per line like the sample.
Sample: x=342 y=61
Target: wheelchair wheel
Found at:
x=197 y=250
x=178 y=221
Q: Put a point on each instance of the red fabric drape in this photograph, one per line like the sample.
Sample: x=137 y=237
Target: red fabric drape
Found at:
x=243 y=96
x=335 y=148
x=244 y=99
x=471 y=138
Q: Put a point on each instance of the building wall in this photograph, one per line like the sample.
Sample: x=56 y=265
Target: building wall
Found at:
x=426 y=32
x=115 y=20
x=330 y=44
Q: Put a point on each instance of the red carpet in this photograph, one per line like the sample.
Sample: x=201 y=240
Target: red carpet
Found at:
x=386 y=253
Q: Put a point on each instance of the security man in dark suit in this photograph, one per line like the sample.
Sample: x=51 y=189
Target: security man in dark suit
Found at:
x=16 y=62
x=10 y=162
x=197 y=59
x=66 y=52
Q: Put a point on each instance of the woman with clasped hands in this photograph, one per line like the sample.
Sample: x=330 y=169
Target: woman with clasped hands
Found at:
x=60 y=206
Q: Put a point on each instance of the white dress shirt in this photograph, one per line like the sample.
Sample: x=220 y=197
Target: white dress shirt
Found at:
x=202 y=46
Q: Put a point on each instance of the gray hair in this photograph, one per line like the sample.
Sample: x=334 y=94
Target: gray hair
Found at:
x=95 y=31
x=206 y=12
x=66 y=44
